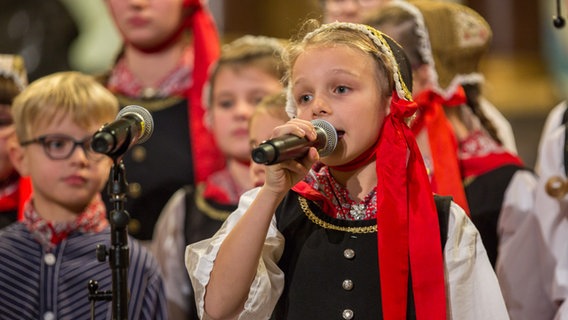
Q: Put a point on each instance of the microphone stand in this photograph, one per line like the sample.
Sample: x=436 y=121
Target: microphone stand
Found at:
x=119 y=253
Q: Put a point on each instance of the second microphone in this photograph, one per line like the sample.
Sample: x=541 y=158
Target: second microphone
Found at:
x=290 y=146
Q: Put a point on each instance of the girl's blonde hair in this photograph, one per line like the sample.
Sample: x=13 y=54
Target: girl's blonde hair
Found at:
x=264 y=53
x=384 y=51
x=62 y=94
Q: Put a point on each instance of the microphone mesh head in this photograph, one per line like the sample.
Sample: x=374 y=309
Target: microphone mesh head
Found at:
x=145 y=117
x=331 y=136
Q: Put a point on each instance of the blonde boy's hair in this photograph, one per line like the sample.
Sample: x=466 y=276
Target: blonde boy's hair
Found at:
x=53 y=97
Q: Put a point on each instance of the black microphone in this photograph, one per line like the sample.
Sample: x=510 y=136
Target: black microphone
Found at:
x=133 y=125
x=558 y=20
x=290 y=146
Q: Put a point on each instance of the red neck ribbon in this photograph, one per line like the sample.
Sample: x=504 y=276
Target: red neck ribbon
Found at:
x=363 y=159
x=408 y=228
x=447 y=178
x=206 y=156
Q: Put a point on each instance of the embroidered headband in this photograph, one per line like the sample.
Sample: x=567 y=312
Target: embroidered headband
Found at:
x=402 y=78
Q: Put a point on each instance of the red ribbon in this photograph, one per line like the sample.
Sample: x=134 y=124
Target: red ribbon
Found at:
x=206 y=156
x=408 y=228
x=447 y=178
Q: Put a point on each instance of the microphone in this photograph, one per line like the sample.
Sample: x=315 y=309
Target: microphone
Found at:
x=133 y=125
x=290 y=146
x=558 y=20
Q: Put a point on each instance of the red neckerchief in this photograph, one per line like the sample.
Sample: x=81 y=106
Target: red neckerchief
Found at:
x=408 y=229
x=50 y=233
x=447 y=178
x=479 y=154
x=331 y=195
x=364 y=158
x=122 y=81
x=9 y=195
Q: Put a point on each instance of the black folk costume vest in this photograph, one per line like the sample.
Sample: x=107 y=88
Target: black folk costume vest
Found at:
x=331 y=265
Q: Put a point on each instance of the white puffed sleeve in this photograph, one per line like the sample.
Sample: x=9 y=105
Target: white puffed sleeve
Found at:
x=472 y=287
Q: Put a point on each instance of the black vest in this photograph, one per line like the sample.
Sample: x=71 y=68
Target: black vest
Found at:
x=202 y=219
x=344 y=284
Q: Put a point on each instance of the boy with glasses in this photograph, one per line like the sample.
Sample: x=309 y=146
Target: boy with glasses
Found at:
x=49 y=257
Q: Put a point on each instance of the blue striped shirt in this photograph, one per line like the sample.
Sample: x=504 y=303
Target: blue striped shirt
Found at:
x=36 y=284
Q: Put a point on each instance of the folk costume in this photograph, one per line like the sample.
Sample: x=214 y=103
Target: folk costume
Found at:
x=181 y=151
x=191 y=215
x=195 y=213
x=46 y=267
x=539 y=290
x=14 y=190
x=327 y=257
x=454 y=38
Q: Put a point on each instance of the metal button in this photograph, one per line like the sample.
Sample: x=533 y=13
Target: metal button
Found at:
x=134 y=190
x=138 y=153
x=49 y=259
x=349 y=254
x=347 y=314
x=347 y=285
x=48 y=316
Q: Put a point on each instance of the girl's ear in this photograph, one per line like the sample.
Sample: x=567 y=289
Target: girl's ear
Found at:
x=17 y=155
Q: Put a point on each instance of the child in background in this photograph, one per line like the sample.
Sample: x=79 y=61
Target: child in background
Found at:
x=358 y=236
x=533 y=264
x=14 y=190
x=348 y=10
x=169 y=46
x=270 y=113
x=49 y=257
x=445 y=42
x=249 y=69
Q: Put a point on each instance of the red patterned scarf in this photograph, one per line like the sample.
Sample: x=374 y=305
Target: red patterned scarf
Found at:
x=50 y=233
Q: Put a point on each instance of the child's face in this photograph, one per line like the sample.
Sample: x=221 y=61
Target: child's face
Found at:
x=260 y=129
x=349 y=10
x=68 y=183
x=340 y=84
x=236 y=93
x=146 y=23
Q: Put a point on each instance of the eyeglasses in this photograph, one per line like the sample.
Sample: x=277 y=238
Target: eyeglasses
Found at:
x=61 y=147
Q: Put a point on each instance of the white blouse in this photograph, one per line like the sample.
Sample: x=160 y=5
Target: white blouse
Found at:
x=472 y=288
